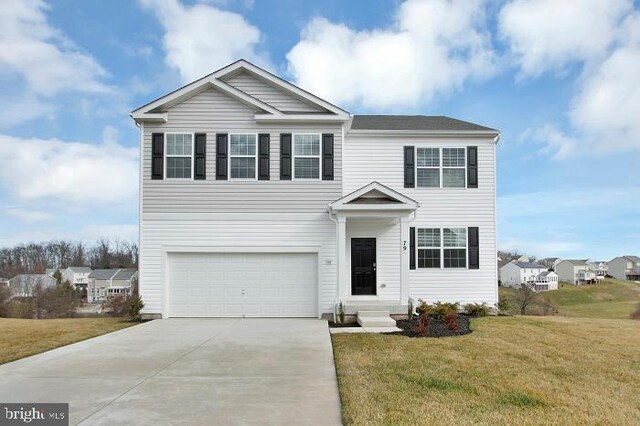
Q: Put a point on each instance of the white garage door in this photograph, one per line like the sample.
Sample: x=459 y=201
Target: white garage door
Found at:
x=243 y=284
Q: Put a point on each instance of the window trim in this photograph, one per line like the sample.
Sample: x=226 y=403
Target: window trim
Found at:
x=442 y=247
x=229 y=156
x=294 y=156
x=193 y=148
x=441 y=168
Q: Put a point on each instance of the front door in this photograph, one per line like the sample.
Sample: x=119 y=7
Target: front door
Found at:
x=363 y=266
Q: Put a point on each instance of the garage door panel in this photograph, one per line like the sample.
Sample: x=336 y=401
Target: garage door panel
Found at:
x=243 y=284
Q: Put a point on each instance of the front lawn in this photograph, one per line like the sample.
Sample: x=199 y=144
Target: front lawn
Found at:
x=20 y=338
x=510 y=370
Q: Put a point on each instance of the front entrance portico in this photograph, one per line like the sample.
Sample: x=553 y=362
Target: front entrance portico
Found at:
x=372 y=226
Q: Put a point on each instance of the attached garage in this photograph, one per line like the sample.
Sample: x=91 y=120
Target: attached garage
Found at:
x=243 y=285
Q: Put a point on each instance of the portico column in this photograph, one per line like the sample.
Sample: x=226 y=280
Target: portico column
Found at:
x=404 y=260
x=343 y=290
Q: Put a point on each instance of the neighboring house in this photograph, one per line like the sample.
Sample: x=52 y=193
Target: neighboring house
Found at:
x=24 y=285
x=575 y=271
x=600 y=268
x=50 y=271
x=545 y=281
x=261 y=199
x=104 y=283
x=625 y=268
x=78 y=276
x=549 y=262
x=516 y=273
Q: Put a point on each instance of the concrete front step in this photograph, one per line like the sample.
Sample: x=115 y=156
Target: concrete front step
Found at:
x=375 y=319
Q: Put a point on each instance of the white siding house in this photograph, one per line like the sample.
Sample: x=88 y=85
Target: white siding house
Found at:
x=78 y=276
x=625 y=268
x=516 y=273
x=24 y=285
x=575 y=271
x=260 y=199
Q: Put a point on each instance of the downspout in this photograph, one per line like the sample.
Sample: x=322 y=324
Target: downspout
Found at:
x=336 y=299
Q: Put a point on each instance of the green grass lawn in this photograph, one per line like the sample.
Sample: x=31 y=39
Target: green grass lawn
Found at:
x=609 y=299
x=510 y=370
x=20 y=338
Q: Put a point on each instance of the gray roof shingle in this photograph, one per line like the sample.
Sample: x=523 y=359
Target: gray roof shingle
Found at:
x=414 y=122
x=103 y=274
x=529 y=265
x=125 y=274
x=80 y=269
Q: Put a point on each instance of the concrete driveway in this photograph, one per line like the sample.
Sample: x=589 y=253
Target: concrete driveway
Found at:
x=188 y=371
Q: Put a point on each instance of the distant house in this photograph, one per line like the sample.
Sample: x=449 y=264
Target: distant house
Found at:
x=50 y=271
x=600 y=268
x=625 y=268
x=545 y=281
x=104 y=283
x=575 y=271
x=23 y=285
x=517 y=273
x=78 y=276
x=549 y=262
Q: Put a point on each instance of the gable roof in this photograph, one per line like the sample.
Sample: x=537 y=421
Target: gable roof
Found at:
x=80 y=269
x=434 y=123
x=156 y=110
x=374 y=196
x=125 y=274
x=576 y=262
x=103 y=274
x=634 y=259
x=528 y=265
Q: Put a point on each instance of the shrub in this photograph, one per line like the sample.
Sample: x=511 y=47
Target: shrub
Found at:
x=341 y=314
x=5 y=303
x=21 y=309
x=476 y=309
x=410 y=309
x=636 y=314
x=59 y=301
x=134 y=306
x=423 y=310
x=503 y=304
x=451 y=319
x=117 y=306
x=441 y=309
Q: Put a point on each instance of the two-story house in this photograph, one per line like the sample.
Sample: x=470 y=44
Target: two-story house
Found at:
x=625 y=267
x=258 y=198
x=78 y=276
x=517 y=273
x=575 y=271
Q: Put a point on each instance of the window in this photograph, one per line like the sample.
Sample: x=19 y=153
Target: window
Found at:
x=441 y=167
x=428 y=247
x=446 y=247
x=306 y=156
x=179 y=155
x=428 y=167
x=242 y=156
x=453 y=167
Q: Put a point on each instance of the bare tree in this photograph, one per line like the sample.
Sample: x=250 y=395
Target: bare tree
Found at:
x=523 y=298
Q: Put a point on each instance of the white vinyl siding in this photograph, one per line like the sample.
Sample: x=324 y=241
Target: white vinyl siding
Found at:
x=243 y=156
x=179 y=155
x=380 y=158
x=306 y=156
x=271 y=95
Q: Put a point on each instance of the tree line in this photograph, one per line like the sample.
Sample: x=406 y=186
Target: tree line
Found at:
x=35 y=258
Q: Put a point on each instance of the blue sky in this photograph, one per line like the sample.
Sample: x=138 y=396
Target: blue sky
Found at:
x=559 y=79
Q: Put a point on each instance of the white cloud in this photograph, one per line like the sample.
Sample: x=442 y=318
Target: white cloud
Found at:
x=201 y=38
x=41 y=54
x=432 y=48
x=71 y=173
x=28 y=215
x=546 y=35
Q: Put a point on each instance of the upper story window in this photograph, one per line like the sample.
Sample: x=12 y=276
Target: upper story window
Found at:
x=242 y=156
x=306 y=156
x=446 y=247
x=179 y=155
x=440 y=167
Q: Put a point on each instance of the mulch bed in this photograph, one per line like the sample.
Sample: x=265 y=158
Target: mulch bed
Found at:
x=348 y=325
x=437 y=328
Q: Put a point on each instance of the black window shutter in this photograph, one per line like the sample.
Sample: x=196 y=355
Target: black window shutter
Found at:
x=263 y=156
x=409 y=167
x=412 y=248
x=157 y=156
x=200 y=157
x=472 y=167
x=221 y=156
x=327 y=156
x=285 y=156
x=474 y=248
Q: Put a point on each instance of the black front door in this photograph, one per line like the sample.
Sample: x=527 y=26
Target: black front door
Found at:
x=363 y=266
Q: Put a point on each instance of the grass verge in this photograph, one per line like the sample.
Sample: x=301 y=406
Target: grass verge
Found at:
x=20 y=338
